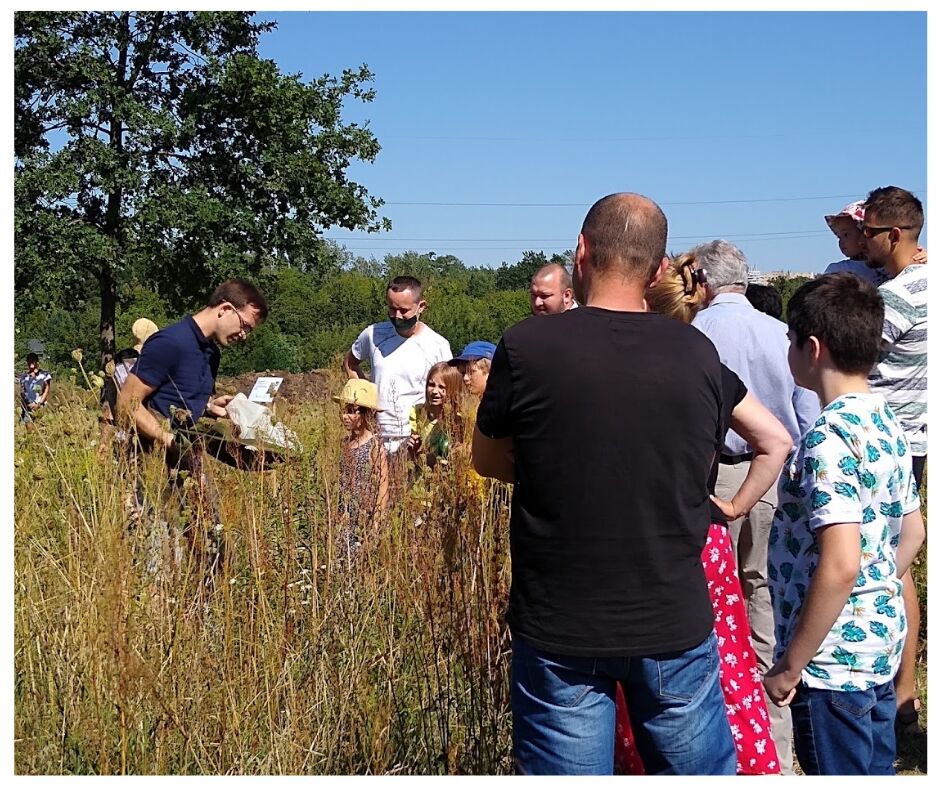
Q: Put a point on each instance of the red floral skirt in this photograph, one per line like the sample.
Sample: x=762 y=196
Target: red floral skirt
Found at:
x=740 y=676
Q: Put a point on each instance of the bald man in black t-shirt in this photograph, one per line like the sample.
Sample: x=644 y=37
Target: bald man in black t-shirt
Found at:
x=610 y=513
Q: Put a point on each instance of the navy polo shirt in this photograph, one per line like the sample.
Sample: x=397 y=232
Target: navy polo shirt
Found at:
x=181 y=364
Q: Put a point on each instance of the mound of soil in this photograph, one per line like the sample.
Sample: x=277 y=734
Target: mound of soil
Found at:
x=298 y=387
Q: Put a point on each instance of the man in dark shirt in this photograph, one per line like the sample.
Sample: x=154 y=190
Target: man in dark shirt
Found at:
x=172 y=384
x=610 y=513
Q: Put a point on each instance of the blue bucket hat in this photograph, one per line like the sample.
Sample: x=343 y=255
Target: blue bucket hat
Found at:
x=475 y=350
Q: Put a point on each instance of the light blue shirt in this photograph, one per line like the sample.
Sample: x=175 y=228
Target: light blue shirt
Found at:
x=754 y=346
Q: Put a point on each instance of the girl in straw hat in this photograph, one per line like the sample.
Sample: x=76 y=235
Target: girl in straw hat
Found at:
x=363 y=470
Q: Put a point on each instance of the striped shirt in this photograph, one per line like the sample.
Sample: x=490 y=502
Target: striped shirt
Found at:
x=901 y=372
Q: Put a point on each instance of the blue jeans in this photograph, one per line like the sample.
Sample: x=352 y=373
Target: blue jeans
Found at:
x=844 y=732
x=564 y=715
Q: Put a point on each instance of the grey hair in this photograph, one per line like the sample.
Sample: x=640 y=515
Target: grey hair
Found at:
x=725 y=263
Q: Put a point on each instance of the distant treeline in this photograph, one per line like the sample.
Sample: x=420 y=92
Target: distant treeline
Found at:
x=316 y=314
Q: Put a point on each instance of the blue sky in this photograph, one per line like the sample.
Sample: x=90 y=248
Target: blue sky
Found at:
x=715 y=115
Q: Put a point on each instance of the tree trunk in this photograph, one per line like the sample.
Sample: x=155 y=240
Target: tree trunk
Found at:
x=106 y=331
x=114 y=225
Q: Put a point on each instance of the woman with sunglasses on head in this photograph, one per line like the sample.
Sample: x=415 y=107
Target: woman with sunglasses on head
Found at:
x=680 y=294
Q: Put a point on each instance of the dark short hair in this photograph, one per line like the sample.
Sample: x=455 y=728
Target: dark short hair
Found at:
x=31 y=357
x=240 y=293
x=896 y=207
x=628 y=230
x=845 y=313
x=401 y=283
x=766 y=299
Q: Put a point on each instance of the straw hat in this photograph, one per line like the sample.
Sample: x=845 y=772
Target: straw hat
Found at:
x=360 y=392
x=143 y=329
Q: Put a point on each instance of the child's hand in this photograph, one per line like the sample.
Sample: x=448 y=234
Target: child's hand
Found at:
x=780 y=685
x=414 y=443
x=920 y=256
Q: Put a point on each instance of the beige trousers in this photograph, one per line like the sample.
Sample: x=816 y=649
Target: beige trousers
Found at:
x=749 y=535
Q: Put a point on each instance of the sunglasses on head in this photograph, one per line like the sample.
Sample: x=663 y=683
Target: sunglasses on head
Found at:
x=697 y=277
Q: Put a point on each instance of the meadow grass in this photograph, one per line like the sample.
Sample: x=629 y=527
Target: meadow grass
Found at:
x=295 y=661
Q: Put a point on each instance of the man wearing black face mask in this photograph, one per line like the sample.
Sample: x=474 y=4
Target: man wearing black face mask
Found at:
x=400 y=351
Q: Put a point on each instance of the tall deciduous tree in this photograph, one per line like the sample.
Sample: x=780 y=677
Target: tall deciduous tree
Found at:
x=158 y=147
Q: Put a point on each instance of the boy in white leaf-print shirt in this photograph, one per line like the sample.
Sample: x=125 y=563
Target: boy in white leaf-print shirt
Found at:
x=847 y=526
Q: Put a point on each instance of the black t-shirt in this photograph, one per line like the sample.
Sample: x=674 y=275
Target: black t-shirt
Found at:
x=615 y=419
x=733 y=391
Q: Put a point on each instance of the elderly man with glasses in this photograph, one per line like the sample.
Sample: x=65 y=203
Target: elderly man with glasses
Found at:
x=754 y=346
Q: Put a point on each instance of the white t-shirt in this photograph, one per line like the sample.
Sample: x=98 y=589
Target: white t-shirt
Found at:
x=876 y=276
x=400 y=369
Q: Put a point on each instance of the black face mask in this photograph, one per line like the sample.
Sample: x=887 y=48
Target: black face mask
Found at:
x=404 y=324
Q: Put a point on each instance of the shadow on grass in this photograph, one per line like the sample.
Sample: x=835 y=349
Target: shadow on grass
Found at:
x=912 y=753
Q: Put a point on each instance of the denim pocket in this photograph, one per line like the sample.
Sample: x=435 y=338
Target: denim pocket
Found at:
x=555 y=680
x=682 y=675
x=858 y=704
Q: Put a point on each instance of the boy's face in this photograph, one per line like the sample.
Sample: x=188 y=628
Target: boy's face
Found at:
x=851 y=241
x=799 y=360
x=475 y=376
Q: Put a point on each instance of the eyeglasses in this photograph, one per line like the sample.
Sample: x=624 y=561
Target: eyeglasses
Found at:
x=243 y=327
x=870 y=232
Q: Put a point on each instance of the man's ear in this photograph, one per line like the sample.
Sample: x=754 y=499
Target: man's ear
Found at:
x=580 y=252
x=663 y=265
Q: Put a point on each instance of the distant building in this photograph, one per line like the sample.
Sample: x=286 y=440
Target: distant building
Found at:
x=761 y=278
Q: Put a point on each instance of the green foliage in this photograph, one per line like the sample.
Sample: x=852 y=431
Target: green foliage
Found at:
x=315 y=313
x=787 y=286
x=159 y=148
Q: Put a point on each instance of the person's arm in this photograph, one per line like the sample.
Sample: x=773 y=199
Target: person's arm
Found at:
x=840 y=559
x=47 y=387
x=351 y=366
x=381 y=501
x=771 y=444
x=912 y=537
x=492 y=457
x=491 y=452
x=131 y=409
x=806 y=407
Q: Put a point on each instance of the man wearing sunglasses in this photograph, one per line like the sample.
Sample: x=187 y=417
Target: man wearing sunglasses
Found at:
x=893 y=220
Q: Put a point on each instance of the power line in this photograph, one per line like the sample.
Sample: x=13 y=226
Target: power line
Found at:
x=555 y=248
x=791 y=233
x=586 y=204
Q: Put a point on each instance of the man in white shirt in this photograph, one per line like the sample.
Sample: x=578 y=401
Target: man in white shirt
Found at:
x=400 y=351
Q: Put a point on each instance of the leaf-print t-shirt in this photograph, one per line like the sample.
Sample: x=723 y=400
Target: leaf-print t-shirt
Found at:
x=853 y=466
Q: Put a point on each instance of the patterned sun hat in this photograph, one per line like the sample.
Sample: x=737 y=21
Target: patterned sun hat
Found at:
x=854 y=210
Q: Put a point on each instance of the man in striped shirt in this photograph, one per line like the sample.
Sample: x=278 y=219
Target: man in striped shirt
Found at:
x=893 y=220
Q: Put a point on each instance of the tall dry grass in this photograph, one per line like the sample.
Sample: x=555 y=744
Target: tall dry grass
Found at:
x=295 y=661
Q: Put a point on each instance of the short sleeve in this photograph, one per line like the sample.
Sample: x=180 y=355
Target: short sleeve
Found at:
x=494 y=415
x=362 y=347
x=910 y=496
x=829 y=495
x=157 y=360
x=899 y=315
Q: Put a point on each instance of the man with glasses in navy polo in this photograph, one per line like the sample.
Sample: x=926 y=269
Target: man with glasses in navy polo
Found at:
x=754 y=346
x=173 y=384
